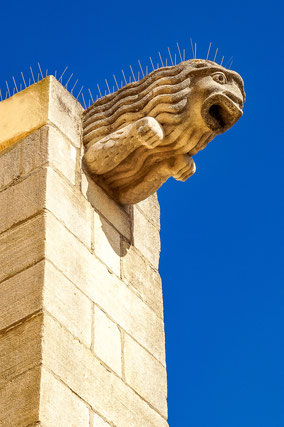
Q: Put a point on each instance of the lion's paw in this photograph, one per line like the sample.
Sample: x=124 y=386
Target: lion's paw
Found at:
x=149 y=132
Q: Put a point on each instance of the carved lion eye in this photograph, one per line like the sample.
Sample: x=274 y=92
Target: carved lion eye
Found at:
x=219 y=78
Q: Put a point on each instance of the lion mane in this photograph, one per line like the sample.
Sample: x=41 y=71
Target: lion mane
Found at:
x=162 y=94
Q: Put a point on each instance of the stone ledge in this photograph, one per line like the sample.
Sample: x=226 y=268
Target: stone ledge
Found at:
x=42 y=103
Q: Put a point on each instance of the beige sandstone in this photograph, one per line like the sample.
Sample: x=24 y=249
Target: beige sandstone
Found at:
x=74 y=288
x=107 y=341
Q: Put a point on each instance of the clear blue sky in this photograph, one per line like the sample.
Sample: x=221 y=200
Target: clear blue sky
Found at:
x=222 y=231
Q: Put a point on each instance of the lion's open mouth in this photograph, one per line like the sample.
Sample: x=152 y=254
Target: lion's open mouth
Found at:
x=220 y=112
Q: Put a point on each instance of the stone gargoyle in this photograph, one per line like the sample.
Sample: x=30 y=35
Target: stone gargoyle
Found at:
x=148 y=131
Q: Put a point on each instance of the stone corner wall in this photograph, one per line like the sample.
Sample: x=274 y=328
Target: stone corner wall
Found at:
x=81 y=311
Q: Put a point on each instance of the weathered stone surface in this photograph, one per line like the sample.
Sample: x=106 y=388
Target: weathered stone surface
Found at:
x=151 y=209
x=22 y=246
x=34 y=149
x=19 y=400
x=9 y=165
x=105 y=289
x=106 y=206
x=97 y=421
x=147 y=376
x=143 y=277
x=49 y=145
x=20 y=349
x=107 y=243
x=146 y=237
x=61 y=153
x=102 y=389
x=107 y=341
x=22 y=200
x=65 y=112
x=67 y=304
x=69 y=206
x=59 y=406
x=139 y=136
x=21 y=295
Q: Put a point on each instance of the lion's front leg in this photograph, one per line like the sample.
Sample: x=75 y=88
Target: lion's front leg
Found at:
x=107 y=153
x=181 y=167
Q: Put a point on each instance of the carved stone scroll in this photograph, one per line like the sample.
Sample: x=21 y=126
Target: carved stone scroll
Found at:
x=148 y=131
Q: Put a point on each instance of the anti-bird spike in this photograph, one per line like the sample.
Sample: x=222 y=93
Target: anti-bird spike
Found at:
x=40 y=69
x=115 y=81
x=69 y=80
x=192 y=47
x=74 y=86
x=179 y=51
x=207 y=56
x=215 y=55
x=170 y=56
x=15 y=83
x=124 y=77
x=60 y=79
x=141 y=68
x=161 y=59
x=91 y=95
x=32 y=74
x=23 y=79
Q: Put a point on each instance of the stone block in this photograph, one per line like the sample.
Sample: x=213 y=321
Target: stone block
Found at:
x=61 y=153
x=117 y=216
x=143 y=277
x=151 y=209
x=65 y=112
x=147 y=376
x=69 y=206
x=21 y=295
x=19 y=400
x=9 y=165
x=34 y=150
x=84 y=375
x=20 y=349
x=107 y=243
x=59 y=406
x=104 y=288
x=22 y=246
x=22 y=200
x=107 y=341
x=67 y=304
x=146 y=237
x=49 y=145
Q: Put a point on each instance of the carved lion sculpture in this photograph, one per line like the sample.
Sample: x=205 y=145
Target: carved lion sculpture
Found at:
x=148 y=131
